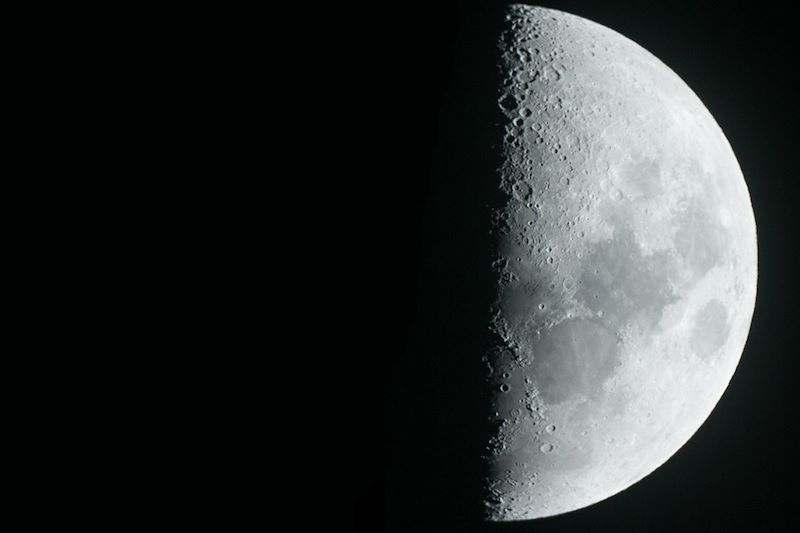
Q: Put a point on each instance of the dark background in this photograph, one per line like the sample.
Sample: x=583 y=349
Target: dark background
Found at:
x=734 y=473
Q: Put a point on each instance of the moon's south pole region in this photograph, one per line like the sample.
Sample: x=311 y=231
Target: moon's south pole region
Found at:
x=625 y=265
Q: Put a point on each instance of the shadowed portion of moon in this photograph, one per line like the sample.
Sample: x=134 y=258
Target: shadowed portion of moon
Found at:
x=438 y=401
x=625 y=266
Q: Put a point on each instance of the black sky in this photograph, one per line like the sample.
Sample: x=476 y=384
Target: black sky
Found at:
x=741 y=60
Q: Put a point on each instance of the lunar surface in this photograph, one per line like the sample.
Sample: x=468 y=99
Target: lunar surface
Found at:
x=626 y=266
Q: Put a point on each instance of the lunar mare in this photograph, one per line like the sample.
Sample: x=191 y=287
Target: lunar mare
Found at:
x=626 y=266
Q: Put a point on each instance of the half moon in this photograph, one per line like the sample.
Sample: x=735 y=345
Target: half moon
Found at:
x=626 y=266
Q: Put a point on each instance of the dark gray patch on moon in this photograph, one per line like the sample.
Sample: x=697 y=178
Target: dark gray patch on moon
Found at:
x=710 y=329
x=621 y=282
x=561 y=365
x=700 y=240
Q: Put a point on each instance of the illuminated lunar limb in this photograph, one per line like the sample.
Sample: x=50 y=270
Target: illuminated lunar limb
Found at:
x=626 y=266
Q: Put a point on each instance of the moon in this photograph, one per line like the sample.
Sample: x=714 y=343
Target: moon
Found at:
x=626 y=266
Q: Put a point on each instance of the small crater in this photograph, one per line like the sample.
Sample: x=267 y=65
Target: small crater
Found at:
x=522 y=191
